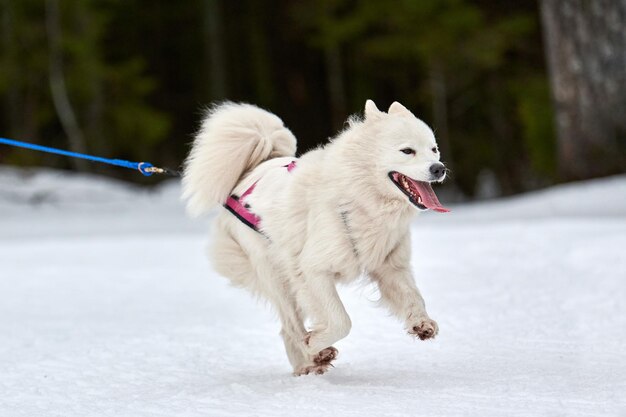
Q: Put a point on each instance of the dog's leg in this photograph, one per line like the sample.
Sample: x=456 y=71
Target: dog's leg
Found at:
x=233 y=261
x=292 y=331
x=229 y=258
x=400 y=294
x=331 y=322
x=252 y=270
x=294 y=334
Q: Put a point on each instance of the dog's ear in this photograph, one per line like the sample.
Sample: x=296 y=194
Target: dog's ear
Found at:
x=399 y=109
x=371 y=111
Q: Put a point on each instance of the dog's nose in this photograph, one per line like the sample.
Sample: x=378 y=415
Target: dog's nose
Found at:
x=437 y=171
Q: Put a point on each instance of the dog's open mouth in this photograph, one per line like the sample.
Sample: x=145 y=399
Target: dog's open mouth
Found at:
x=420 y=193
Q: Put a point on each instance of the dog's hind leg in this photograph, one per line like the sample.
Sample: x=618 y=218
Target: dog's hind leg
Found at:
x=229 y=258
x=292 y=332
x=278 y=290
x=256 y=274
x=295 y=337
x=331 y=322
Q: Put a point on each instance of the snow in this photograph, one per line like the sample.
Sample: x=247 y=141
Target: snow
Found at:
x=108 y=307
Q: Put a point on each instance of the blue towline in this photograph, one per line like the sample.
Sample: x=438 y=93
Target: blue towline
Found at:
x=146 y=168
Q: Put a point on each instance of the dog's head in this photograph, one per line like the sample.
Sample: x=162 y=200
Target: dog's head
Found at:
x=406 y=154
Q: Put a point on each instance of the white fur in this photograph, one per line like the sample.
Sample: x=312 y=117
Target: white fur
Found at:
x=337 y=216
x=234 y=138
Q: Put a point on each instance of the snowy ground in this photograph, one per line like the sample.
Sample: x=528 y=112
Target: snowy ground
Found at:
x=109 y=308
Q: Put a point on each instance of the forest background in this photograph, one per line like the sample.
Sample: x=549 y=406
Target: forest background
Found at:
x=521 y=95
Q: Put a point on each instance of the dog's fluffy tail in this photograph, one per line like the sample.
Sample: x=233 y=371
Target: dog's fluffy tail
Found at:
x=233 y=140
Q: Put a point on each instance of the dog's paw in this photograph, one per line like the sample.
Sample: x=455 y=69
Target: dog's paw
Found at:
x=425 y=328
x=313 y=369
x=326 y=356
x=321 y=362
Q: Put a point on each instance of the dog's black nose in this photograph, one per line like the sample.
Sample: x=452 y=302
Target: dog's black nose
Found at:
x=437 y=171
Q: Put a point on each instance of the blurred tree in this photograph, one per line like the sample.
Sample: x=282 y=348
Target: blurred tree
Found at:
x=60 y=98
x=333 y=24
x=23 y=69
x=586 y=50
x=215 y=42
x=100 y=104
x=456 y=46
x=448 y=56
x=137 y=75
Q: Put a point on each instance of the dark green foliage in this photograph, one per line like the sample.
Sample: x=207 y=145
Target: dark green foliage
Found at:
x=139 y=73
x=461 y=69
x=535 y=113
x=109 y=96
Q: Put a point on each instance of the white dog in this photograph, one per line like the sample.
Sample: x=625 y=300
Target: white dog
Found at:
x=295 y=228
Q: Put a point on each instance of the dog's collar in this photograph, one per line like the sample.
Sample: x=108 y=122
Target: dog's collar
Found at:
x=237 y=206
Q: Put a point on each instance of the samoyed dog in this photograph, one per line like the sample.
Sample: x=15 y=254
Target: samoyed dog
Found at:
x=293 y=228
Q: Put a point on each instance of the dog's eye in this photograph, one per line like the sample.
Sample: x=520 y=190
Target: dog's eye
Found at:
x=408 y=151
x=435 y=150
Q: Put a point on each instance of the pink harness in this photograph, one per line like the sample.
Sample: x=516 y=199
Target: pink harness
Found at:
x=241 y=210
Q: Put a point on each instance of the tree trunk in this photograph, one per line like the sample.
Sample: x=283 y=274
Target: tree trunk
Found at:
x=214 y=48
x=260 y=61
x=586 y=52
x=335 y=85
x=60 y=97
x=93 y=125
x=439 y=97
x=12 y=96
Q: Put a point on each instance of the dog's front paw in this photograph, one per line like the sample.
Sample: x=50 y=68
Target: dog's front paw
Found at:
x=424 y=328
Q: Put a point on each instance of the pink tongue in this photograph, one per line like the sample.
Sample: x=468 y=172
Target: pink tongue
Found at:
x=429 y=198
